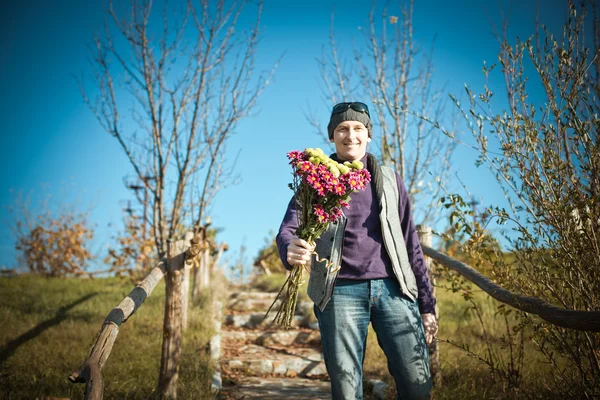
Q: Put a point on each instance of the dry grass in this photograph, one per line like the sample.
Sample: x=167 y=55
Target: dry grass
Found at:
x=464 y=377
x=49 y=326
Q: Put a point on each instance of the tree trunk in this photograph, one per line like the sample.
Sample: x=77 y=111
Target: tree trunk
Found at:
x=173 y=324
x=185 y=293
x=425 y=237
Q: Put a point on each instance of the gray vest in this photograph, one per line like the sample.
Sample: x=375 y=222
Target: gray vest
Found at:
x=329 y=246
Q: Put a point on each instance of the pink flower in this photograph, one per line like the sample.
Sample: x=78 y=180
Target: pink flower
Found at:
x=365 y=175
x=323 y=218
x=305 y=167
x=323 y=170
x=326 y=176
x=295 y=157
x=335 y=214
x=332 y=183
x=339 y=189
x=318 y=210
x=311 y=179
x=344 y=204
x=318 y=186
x=353 y=181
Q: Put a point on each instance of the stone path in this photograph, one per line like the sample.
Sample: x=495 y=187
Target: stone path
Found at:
x=260 y=360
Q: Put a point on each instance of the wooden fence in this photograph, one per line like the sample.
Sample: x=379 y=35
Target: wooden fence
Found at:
x=175 y=269
x=579 y=320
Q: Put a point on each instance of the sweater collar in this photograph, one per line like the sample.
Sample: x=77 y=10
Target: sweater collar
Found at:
x=335 y=158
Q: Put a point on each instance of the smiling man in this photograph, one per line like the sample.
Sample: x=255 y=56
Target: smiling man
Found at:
x=382 y=277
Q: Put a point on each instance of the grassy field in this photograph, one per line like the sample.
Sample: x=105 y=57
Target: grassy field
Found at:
x=464 y=377
x=49 y=326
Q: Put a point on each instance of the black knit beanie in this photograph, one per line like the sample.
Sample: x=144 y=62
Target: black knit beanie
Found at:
x=349 y=115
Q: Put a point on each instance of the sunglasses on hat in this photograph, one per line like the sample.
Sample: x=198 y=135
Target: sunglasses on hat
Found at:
x=356 y=106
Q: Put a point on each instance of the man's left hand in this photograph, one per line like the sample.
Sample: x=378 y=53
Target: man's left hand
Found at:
x=431 y=327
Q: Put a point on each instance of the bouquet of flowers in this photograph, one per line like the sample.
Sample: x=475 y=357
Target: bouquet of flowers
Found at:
x=321 y=188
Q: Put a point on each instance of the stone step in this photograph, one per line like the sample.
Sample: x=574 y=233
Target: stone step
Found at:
x=257 y=360
x=252 y=304
x=255 y=320
x=269 y=338
x=253 y=295
x=269 y=388
x=303 y=307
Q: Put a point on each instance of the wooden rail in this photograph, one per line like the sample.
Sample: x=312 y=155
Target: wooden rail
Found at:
x=90 y=372
x=579 y=320
x=173 y=266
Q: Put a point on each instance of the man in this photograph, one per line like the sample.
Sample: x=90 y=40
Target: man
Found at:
x=382 y=277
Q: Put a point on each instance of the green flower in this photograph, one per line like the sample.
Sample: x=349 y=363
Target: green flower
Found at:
x=314 y=160
x=343 y=169
x=335 y=171
x=312 y=152
x=357 y=164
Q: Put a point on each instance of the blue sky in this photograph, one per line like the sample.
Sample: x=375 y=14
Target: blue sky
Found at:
x=51 y=139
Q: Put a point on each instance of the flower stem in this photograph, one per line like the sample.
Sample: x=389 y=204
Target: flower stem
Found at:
x=287 y=309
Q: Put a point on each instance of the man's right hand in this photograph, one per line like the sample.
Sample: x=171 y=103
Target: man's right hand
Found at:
x=299 y=251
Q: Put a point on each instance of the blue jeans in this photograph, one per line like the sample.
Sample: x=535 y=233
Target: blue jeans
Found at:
x=397 y=322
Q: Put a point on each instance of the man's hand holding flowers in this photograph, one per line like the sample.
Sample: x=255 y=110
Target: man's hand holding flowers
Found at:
x=299 y=251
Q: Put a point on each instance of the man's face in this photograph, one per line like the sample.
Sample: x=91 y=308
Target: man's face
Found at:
x=350 y=138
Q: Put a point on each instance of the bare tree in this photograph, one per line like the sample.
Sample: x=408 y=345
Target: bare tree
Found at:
x=395 y=75
x=188 y=99
x=184 y=78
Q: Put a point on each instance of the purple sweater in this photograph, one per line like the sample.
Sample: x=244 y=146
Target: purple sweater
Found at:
x=363 y=239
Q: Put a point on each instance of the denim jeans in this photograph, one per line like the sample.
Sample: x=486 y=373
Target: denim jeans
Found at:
x=397 y=322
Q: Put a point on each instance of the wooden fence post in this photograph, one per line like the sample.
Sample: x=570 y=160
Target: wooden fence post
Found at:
x=196 y=279
x=173 y=324
x=205 y=266
x=200 y=271
x=425 y=238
